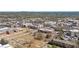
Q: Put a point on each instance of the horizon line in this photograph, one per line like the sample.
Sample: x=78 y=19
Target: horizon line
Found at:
x=39 y=11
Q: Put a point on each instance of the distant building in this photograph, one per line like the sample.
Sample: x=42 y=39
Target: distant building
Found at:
x=46 y=30
x=4 y=29
x=50 y=24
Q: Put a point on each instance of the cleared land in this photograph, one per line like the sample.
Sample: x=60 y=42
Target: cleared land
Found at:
x=22 y=39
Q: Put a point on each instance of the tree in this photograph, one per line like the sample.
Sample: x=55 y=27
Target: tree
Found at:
x=39 y=36
x=3 y=42
x=7 y=32
x=48 y=35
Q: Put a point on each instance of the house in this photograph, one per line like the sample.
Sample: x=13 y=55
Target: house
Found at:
x=46 y=30
x=4 y=29
x=50 y=24
x=72 y=34
x=27 y=24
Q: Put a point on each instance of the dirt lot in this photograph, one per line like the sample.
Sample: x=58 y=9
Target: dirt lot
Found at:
x=22 y=39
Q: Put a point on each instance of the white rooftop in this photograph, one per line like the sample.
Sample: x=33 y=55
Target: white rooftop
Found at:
x=74 y=30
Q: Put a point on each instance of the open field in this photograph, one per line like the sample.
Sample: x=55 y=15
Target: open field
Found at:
x=23 y=38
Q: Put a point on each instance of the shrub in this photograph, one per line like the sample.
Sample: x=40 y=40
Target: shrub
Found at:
x=3 y=42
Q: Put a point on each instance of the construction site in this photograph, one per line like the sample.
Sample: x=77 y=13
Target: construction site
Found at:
x=23 y=38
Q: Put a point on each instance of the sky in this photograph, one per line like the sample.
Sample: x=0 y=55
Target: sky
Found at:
x=39 y=5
